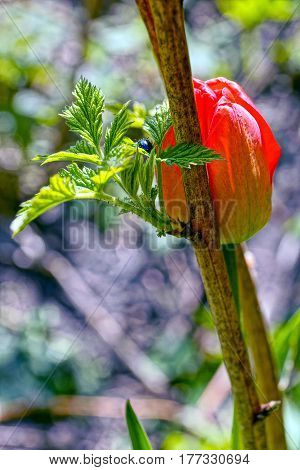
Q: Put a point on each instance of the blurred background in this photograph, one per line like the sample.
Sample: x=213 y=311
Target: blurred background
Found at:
x=94 y=308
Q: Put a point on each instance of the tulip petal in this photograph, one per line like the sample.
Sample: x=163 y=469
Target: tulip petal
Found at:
x=240 y=186
x=271 y=149
x=206 y=102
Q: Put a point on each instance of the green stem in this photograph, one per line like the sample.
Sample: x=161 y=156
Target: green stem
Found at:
x=161 y=222
x=119 y=182
x=159 y=184
x=244 y=293
x=235 y=432
x=229 y=252
x=257 y=338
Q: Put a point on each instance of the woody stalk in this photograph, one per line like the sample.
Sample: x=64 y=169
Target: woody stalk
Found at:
x=165 y=25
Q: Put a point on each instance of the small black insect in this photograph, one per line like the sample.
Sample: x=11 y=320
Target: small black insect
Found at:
x=145 y=144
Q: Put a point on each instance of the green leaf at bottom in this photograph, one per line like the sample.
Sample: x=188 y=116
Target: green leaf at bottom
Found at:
x=138 y=436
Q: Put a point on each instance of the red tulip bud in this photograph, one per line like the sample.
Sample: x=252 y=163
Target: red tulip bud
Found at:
x=241 y=184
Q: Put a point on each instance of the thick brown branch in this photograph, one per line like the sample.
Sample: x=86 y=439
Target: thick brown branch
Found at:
x=176 y=71
x=146 y=14
x=174 y=61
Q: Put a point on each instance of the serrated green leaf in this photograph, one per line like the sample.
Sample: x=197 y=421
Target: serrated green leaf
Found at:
x=138 y=436
x=82 y=146
x=142 y=207
x=84 y=116
x=82 y=177
x=59 y=190
x=105 y=175
x=117 y=130
x=122 y=153
x=158 y=124
x=65 y=156
x=186 y=155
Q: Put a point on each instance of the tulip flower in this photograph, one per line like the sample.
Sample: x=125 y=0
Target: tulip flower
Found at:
x=241 y=183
